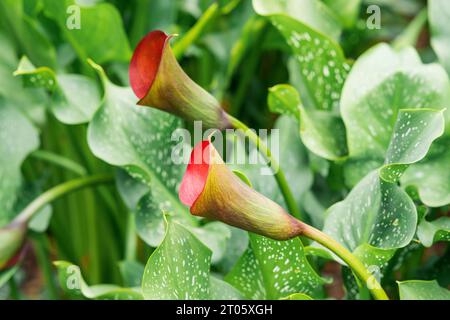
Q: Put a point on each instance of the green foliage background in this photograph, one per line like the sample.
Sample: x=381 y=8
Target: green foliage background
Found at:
x=364 y=119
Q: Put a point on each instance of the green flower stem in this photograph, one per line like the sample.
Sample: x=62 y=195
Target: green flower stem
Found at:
x=357 y=266
x=59 y=161
x=279 y=174
x=59 y=191
x=194 y=33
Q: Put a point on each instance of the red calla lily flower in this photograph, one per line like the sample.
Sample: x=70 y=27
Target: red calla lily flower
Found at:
x=158 y=81
x=212 y=191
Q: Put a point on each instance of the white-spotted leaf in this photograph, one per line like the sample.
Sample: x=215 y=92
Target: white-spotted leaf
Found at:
x=178 y=268
x=422 y=290
x=375 y=213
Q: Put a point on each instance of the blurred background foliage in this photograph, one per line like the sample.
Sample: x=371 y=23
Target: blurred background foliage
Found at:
x=237 y=57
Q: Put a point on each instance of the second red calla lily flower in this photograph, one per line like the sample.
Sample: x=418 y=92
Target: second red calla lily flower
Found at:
x=158 y=81
x=212 y=191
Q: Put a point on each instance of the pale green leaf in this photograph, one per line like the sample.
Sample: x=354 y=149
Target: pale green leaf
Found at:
x=73 y=284
x=74 y=98
x=312 y=13
x=382 y=82
x=375 y=213
x=422 y=290
x=221 y=290
x=102 y=42
x=272 y=269
x=178 y=268
x=322 y=132
x=18 y=138
x=434 y=231
x=431 y=176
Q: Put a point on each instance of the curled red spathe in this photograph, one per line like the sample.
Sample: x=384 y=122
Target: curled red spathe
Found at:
x=145 y=62
x=194 y=180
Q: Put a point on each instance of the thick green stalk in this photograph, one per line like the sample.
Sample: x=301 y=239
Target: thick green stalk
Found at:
x=278 y=172
x=357 y=266
x=59 y=191
x=195 y=32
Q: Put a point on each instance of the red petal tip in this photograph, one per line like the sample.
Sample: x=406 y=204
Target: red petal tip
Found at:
x=145 y=62
x=194 y=179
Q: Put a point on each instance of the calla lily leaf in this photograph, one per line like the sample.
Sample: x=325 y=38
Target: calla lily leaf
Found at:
x=30 y=102
x=414 y=131
x=74 y=98
x=314 y=14
x=376 y=129
x=221 y=290
x=438 y=13
x=14 y=148
x=73 y=284
x=319 y=64
x=322 y=132
x=132 y=272
x=374 y=217
x=431 y=176
x=422 y=290
x=274 y=269
x=434 y=231
x=102 y=42
x=178 y=268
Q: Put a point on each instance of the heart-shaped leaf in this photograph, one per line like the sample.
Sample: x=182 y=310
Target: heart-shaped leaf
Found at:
x=376 y=216
x=73 y=284
x=382 y=82
x=74 y=99
x=422 y=290
x=272 y=269
x=31 y=102
x=178 y=268
x=434 y=231
x=414 y=131
x=102 y=42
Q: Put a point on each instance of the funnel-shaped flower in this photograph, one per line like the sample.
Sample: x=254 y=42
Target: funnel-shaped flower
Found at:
x=158 y=81
x=212 y=191
x=11 y=240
